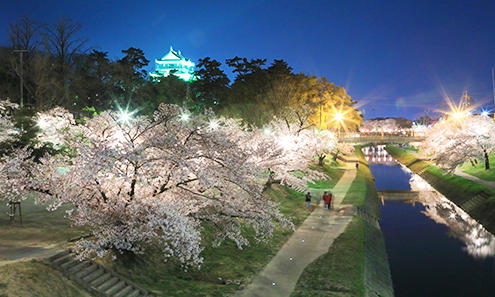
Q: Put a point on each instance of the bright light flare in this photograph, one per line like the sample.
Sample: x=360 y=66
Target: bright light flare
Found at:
x=185 y=117
x=458 y=111
x=339 y=116
x=267 y=131
x=125 y=116
x=457 y=115
x=213 y=125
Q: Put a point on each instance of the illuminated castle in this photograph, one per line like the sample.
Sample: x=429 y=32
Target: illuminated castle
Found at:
x=173 y=63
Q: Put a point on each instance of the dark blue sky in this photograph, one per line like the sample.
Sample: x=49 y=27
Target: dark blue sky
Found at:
x=395 y=57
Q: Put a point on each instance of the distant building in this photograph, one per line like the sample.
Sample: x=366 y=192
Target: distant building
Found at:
x=173 y=63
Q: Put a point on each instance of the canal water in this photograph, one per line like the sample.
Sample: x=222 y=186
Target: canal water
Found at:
x=435 y=249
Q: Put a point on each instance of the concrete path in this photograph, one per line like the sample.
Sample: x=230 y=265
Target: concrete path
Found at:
x=486 y=183
x=32 y=252
x=311 y=240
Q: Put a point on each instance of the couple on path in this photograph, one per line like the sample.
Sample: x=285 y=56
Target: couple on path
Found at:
x=327 y=199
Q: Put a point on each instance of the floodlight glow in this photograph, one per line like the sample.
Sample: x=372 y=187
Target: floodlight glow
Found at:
x=286 y=141
x=267 y=131
x=185 y=117
x=213 y=125
x=485 y=113
x=125 y=117
x=42 y=123
x=458 y=115
x=339 y=116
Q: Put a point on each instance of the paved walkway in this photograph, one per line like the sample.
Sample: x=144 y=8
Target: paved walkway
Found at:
x=32 y=252
x=311 y=240
x=486 y=183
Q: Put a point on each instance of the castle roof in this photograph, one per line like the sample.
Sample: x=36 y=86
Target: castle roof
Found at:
x=173 y=56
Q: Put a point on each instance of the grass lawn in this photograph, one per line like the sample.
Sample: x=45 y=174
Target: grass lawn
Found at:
x=40 y=228
x=34 y=278
x=479 y=169
x=340 y=272
x=334 y=174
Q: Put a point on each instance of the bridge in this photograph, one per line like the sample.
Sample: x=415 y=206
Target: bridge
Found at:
x=399 y=195
x=357 y=138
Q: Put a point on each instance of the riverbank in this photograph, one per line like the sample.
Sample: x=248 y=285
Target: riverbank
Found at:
x=356 y=264
x=475 y=199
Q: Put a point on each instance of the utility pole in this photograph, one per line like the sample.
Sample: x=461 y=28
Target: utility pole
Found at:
x=21 y=52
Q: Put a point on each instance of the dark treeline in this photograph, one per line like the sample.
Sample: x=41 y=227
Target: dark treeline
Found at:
x=59 y=69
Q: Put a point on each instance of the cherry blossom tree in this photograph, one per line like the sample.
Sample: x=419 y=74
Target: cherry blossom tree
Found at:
x=453 y=141
x=16 y=175
x=282 y=148
x=53 y=124
x=143 y=181
x=7 y=128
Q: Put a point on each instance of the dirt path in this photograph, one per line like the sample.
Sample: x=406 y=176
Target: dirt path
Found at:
x=486 y=183
x=312 y=239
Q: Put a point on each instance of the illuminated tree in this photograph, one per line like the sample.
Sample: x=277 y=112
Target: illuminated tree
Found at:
x=140 y=181
x=453 y=141
x=281 y=149
x=334 y=108
x=7 y=127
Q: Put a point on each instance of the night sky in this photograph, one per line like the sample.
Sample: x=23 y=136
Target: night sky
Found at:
x=396 y=58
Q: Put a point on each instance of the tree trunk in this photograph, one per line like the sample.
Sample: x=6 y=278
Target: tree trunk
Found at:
x=487 y=161
x=320 y=159
x=271 y=180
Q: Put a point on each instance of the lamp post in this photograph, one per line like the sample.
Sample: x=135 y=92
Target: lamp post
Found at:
x=21 y=52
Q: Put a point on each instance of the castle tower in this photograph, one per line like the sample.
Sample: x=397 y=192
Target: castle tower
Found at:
x=173 y=63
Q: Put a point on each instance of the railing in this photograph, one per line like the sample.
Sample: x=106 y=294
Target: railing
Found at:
x=379 y=139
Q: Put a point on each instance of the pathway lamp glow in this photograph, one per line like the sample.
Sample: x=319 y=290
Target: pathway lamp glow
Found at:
x=185 y=117
x=125 y=116
x=213 y=125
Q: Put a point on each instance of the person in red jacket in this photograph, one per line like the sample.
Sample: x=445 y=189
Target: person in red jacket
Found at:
x=327 y=198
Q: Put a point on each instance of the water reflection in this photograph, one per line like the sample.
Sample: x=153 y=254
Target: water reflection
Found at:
x=479 y=243
x=376 y=154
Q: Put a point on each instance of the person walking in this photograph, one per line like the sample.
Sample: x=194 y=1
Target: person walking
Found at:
x=357 y=165
x=308 y=200
x=326 y=199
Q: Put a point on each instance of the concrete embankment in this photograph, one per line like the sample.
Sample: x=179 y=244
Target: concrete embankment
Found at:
x=475 y=199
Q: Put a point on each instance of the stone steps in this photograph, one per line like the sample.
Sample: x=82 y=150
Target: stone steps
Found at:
x=95 y=278
x=473 y=203
x=298 y=188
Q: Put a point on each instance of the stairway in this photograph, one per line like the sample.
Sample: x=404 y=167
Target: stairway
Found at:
x=95 y=278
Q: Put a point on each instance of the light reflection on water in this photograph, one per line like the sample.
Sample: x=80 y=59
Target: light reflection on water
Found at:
x=478 y=242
